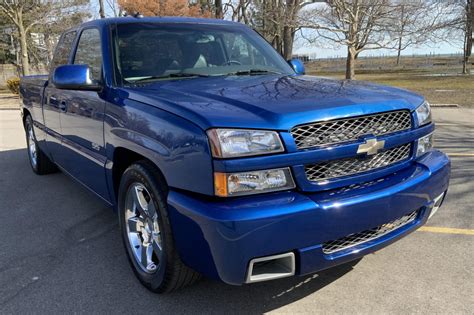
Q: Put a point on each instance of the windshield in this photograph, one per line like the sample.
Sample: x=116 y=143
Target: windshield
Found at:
x=149 y=52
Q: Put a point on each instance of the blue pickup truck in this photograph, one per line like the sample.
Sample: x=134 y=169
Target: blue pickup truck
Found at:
x=223 y=159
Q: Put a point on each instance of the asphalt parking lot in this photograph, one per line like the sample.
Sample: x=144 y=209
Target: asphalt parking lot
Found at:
x=60 y=251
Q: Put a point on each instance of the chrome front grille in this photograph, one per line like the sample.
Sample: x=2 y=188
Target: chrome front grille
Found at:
x=368 y=235
x=344 y=167
x=344 y=130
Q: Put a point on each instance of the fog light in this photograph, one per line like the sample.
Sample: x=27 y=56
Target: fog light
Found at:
x=253 y=182
x=425 y=144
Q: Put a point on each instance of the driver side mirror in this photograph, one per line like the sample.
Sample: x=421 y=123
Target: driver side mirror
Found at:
x=75 y=77
x=297 y=66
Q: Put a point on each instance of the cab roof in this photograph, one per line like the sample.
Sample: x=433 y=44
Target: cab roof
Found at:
x=157 y=19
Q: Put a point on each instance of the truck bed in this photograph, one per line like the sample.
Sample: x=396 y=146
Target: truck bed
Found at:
x=31 y=92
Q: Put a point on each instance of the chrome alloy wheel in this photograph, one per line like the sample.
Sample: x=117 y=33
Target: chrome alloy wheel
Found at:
x=143 y=230
x=32 y=150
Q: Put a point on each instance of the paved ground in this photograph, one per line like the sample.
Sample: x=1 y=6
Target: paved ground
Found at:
x=60 y=251
x=9 y=101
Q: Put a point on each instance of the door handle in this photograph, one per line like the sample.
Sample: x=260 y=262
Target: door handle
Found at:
x=63 y=106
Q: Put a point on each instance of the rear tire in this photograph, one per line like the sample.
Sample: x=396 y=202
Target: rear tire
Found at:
x=39 y=162
x=146 y=230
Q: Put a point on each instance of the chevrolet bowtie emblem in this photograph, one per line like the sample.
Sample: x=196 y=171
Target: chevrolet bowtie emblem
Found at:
x=371 y=146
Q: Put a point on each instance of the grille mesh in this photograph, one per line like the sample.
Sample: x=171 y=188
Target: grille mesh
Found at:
x=344 y=130
x=368 y=235
x=343 y=167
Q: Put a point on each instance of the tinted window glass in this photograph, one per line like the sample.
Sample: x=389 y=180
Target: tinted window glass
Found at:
x=62 y=51
x=158 y=51
x=89 y=52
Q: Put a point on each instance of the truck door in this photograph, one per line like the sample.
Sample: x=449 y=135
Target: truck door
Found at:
x=82 y=120
x=51 y=101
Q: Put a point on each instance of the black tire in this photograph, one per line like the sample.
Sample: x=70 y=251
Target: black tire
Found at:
x=171 y=274
x=40 y=163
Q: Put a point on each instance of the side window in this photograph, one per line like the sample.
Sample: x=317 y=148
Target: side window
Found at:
x=61 y=54
x=89 y=52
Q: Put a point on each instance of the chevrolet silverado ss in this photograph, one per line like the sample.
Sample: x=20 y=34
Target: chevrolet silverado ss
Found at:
x=225 y=160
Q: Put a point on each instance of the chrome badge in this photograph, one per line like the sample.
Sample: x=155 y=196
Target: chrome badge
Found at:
x=371 y=146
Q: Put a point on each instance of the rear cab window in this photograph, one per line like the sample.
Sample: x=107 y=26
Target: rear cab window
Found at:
x=89 y=52
x=62 y=52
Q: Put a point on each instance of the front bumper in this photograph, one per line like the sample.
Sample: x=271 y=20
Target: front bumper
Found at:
x=219 y=237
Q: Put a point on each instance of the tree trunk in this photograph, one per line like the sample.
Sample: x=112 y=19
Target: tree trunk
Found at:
x=288 y=37
x=219 y=13
x=25 y=64
x=399 y=51
x=350 y=64
x=465 y=57
x=467 y=37
x=49 y=46
x=277 y=44
x=101 y=9
x=402 y=29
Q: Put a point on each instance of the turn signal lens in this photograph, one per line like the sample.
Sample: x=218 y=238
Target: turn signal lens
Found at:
x=254 y=182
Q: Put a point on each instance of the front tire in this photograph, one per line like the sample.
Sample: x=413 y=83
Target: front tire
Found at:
x=146 y=230
x=39 y=162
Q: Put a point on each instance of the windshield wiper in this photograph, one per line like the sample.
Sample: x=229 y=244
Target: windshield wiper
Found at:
x=172 y=75
x=253 y=71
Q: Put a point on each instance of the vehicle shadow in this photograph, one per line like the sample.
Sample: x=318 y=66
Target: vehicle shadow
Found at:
x=66 y=228
x=60 y=233
x=216 y=297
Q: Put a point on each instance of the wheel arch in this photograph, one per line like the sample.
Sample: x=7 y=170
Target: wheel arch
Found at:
x=25 y=114
x=121 y=160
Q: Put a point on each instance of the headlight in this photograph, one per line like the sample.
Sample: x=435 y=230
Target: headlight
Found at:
x=228 y=143
x=423 y=114
x=253 y=182
x=425 y=144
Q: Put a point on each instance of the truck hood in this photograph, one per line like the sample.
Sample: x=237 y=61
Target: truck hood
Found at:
x=270 y=101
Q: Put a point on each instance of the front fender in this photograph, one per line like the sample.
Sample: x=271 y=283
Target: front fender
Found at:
x=178 y=147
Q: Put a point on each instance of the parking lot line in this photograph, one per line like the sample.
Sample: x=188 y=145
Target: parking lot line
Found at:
x=460 y=154
x=445 y=230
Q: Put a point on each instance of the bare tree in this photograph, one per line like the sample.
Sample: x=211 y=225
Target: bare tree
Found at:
x=468 y=29
x=166 y=7
x=460 y=28
x=15 y=12
x=420 y=22
x=411 y=15
x=240 y=10
x=25 y=15
x=277 y=20
x=358 y=24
